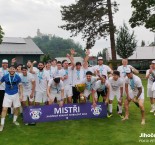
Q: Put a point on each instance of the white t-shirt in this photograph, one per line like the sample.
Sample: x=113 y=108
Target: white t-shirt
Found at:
x=89 y=84
x=150 y=79
x=27 y=82
x=69 y=73
x=55 y=89
x=78 y=76
x=122 y=69
x=115 y=85
x=99 y=86
x=42 y=79
x=2 y=73
x=103 y=69
x=35 y=70
x=137 y=83
x=60 y=73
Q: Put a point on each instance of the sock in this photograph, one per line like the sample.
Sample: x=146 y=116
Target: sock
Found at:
x=11 y=110
x=120 y=109
x=2 y=121
x=14 y=118
x=110 y=108
x=21 y=109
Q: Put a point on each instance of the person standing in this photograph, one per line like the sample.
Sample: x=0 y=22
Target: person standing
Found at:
x=3 y=72
x=13 y=94
x=134 y=93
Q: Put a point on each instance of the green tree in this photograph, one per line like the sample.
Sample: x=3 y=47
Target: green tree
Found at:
x=125 y=42
x=57 y=47
x=143 y=14
x=142 y=43
x=92 y=18
x=1 y=34
x=152 y=44
x=103 y=54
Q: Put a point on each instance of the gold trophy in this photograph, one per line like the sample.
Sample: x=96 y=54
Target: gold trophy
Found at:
x=80 y=88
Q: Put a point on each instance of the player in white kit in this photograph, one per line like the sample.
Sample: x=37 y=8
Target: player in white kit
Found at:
x=135 y=94
x=55 y=90
x=116 y=89
x=42 y=77
x=150 y=75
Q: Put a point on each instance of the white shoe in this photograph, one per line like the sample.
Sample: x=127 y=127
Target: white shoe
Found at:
x=1 y=127
x=16 y=123
x=152 y=110
x=143 y=122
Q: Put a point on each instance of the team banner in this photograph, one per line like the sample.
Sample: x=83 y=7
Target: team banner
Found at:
x=53 y=112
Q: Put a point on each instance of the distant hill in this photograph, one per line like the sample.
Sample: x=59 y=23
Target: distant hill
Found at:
x=56 y=46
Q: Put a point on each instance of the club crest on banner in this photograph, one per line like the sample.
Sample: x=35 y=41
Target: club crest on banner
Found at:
x=35 y=113
x=97 y=110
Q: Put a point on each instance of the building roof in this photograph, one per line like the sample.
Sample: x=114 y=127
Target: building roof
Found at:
x=141 y=53
x=15 y=45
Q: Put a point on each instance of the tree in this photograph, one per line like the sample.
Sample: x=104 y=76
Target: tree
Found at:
x=142 y=43
x=57 y=47
x=103 y=54
x=92 y=18
x=143 y=14
x=1 y=34
x=125 y=42
x=152 y=44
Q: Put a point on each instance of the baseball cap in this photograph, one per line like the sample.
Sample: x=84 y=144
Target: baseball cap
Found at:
x=100 y=58
x=128 y=70
x=153 y=61
x=4 y=61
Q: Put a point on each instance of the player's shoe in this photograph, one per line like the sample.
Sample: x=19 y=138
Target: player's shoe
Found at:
x=143 y=122
x=125 y=118
x=121 y=115
x=109 y=115
x=152 y=110
x=16 y=123
x=1 y=127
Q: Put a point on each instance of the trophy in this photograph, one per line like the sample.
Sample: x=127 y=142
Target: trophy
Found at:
x=80 y=88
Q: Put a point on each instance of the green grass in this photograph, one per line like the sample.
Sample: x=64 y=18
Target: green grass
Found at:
x=83 y=132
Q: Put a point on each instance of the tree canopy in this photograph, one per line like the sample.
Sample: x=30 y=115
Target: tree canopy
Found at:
x=143 y=14
x=89 y=17
x=56 y=46
x=125 y=42
x=1 y=34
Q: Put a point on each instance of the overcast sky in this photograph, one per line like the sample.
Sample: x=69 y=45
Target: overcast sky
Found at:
x=22 y=18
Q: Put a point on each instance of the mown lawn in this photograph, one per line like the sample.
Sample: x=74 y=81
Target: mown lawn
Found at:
x=83 y=132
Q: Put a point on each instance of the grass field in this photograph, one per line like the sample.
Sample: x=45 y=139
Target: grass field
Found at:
x=83 y=132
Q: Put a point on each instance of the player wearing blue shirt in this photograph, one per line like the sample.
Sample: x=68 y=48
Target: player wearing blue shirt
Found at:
x=12 y=85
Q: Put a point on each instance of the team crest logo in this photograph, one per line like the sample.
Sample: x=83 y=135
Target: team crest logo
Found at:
x=35 y=113
x=97 y=110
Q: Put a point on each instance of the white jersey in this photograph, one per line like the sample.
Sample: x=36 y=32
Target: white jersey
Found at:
x=52 y=71
x=99 y=86
x=150 y=79
x=69 y=73
x=103 y=69
x=27 y=82
x=60 y=73
x=134 y=83
x=78 y=76
x=35 y=70
x=42 y=79
x=2 y=73
x=115 y=85
x=55 y=89
x=90 y=84
x=122 y=69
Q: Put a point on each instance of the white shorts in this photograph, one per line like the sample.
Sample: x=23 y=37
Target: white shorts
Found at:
x=113 y=94
x=26 y=95
x=41 y=97
x=10 y=100
x=55 y=95
x=149 y=92
x=133 y=94
x=87 y=93
x=68 y=91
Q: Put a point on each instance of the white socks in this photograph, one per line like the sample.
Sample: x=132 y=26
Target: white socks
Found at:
x=120 y=109
x=110 y=108
x=2 y=121
x=14 y=118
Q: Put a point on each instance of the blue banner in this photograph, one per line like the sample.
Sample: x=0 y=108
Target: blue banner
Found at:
x=53 y=112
